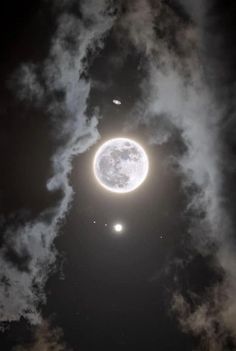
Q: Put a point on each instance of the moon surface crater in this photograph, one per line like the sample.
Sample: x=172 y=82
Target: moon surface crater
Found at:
x=121 y=165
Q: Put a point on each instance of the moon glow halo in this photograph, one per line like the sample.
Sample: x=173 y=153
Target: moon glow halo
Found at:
x=120 y=165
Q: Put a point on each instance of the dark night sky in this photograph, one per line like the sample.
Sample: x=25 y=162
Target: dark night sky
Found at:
x=168 y=282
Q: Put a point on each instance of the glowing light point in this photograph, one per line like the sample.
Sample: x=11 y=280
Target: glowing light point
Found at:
x=118 y=227
x=116 y=102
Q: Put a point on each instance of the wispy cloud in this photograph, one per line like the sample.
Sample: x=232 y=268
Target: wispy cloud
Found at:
x=177 y=96
x=59 y=84
x=46 y=338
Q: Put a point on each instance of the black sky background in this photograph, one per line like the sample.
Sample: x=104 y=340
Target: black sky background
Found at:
x=109 y=293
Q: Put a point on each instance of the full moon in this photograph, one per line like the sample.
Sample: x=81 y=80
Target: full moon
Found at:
x=120 y=165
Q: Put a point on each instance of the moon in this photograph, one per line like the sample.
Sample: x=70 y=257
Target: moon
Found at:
x=120 y=165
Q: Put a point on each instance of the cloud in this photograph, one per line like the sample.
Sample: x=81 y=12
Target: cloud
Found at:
x=137 y=21
x=27 y=255
x=196 y=9
x=46 y=338
x=211 y=317
x=203 y=322
x=27 y=85
x=177 y=96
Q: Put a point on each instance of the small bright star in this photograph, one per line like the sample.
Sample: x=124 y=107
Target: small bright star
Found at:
x=118 y=227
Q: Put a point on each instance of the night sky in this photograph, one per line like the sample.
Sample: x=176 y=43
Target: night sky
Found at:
x=68 y=281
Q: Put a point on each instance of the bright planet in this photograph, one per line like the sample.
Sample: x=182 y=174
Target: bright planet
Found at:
x=120 y=165
x=118 y=227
